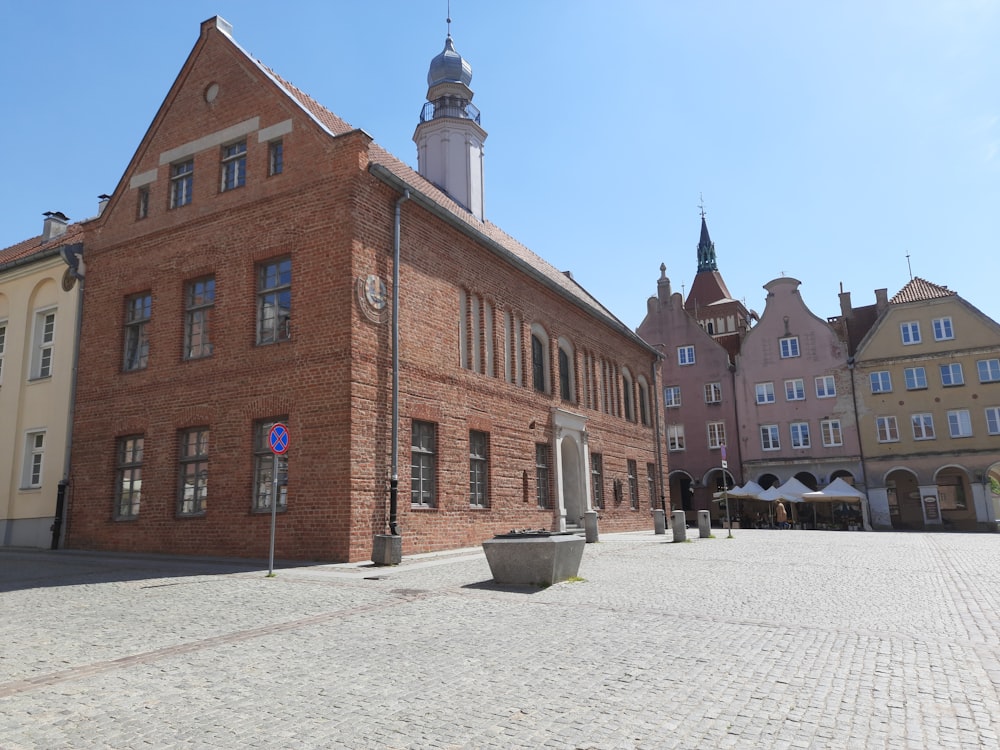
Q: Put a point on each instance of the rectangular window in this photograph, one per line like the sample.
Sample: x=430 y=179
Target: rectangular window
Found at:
x=951 y=374
x=422 y=457
x=34 y=459
x=478 y=468
x=199 y=301
x=800 y=434
x=44 y=339
x=633 y=484
x=923 y=426
x=916 y=378
x=989 y=369
x=193 y=491
x=142 y=209
x=769 y=440
x=826 y=386
x=181 y=183
x=651 y=483
x=263 y=468
x=234 y=166
x=765 y=393
x=881 y=382
x=942 y=329
x=959 y=423
x=672 y=396
x=716 y=434
x=910 y=332
x=713 y=393
x=832 y=435
x=789 y=346
x=886 y=429
x=597 y=479
x=3 y=345
x=993 y=420
x=795 y=390
x=138 y=310
x=275 y=157
x=543 y=491
x=685 y=355
x=128 y=477
x=675 y=437
x=274 y=301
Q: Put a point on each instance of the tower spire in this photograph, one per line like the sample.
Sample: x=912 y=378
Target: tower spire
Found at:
x=706 y=248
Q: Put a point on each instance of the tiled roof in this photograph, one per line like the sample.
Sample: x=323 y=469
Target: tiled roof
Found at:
x=23 y=250
x=919 y=290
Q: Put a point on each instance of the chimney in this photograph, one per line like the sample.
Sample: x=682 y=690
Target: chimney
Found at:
x=102 y=202
x=881 y=299
x=845 y=303
x=54 y=225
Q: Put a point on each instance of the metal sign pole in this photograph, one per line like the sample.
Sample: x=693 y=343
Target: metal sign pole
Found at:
x=274 y=513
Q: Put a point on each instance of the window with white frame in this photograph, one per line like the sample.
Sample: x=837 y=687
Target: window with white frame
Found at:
x=44 y=338
x=234 y=166
x=959 y=423
x=672 y=396
x=951 y=374
x=275 y=157
x=765 y=393
x=181 y=183
x=597 y=479
x=826 y=386
x=789 y=346
x=769 y=439
x=989 y=369
x=198 y=304
x=193 y=490
x=993 y=420
x=422 y=462
x=795 y=390
x=675 y=437
x=880 y=381
x=831 y=433
x=543 y=493
x=142 y=207
x=886 y=429
x=34 y=459
x=713 y=393
x=716 y=434
x=915 y=377
x=3 y=345
x=800 y=434
x=942 y=329
x=478 y=469
x=923 y=426
x=128 y=477
x=633 y=484
x=263 y=468
x=274 y=301
x=685 y=355
x=910 y=332
x=138 y=310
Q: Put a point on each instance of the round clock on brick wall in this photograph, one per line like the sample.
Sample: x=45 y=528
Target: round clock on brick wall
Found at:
x=372 y=298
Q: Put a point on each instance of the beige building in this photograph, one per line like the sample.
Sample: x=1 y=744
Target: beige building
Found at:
x=927 y=383
x=39 y=306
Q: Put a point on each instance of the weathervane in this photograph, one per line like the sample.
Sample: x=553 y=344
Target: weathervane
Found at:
x=701 y=204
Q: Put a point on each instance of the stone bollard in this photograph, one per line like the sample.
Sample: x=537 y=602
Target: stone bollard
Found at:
x=659 y=522
x=704 y=524
x=590 y=525
x=679 y=522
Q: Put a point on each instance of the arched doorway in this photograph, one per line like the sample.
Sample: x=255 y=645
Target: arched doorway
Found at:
x=903 y=495
x=766 y=481
x=681 y=491
x=954 y=493
x=574 y=491
x=808 y=479
x=843 y=474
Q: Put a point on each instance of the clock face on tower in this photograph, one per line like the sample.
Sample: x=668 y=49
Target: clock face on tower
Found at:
x=372 y=298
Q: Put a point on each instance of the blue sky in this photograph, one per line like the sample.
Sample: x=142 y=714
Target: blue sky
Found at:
x=828 y=140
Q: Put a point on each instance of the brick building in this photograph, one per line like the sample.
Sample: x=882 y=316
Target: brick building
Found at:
x=243 y=275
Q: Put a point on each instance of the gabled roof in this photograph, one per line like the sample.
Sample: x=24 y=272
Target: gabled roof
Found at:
x=37 y=248
x=919 y=290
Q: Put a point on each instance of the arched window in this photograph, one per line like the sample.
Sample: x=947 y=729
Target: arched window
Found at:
x=643 y=401
x=567 y=371
x=540 y=377
x=627 y=395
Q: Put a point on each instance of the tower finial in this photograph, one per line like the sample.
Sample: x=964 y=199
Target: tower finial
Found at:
x=448 y=19
x=701 y=204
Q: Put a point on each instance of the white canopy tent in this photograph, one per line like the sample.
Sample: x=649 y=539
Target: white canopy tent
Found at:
x=839 y=490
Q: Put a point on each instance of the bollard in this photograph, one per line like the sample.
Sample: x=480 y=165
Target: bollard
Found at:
x=659 y=522
x=704 y=524
x=679 y=522
x=590 y=525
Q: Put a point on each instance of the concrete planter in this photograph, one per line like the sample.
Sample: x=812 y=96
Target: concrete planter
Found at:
x=538 y=558
x=387 y=549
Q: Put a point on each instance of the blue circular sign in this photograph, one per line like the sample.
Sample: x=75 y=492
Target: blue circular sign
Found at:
x=277 y=438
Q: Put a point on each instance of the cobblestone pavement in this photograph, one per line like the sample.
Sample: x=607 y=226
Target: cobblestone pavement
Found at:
x=791 y=639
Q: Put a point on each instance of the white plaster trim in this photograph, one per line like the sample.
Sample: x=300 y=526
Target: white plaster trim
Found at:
x=208 y=141
x=267 y=134
x=142 y=179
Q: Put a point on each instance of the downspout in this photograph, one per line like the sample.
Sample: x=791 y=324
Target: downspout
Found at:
x=865 y=510
x=394 y=476
x=658 y=415
x=74 y=261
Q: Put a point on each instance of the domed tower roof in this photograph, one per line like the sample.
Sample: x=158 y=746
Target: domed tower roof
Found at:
x=449 y=67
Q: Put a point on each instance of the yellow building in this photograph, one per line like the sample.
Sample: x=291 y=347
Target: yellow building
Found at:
x=40 y=294
x=927 y=382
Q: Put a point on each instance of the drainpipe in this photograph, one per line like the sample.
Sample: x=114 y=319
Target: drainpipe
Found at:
x=865 y=510
x=394 y=477
x=657 y=416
